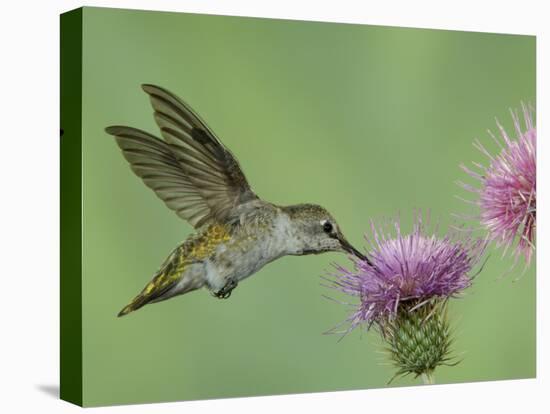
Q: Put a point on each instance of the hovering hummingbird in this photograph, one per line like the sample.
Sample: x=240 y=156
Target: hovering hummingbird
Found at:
x=237 y=233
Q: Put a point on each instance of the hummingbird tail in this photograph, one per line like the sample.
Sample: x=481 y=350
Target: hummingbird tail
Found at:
x=176 y=276
x=163 y=286
x=154 y=290
x=135 y=304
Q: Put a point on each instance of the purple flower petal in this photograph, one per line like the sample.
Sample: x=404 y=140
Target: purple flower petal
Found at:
x=417 y=266
x=507 y=197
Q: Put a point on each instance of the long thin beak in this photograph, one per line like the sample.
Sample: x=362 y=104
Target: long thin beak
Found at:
x=350 y=249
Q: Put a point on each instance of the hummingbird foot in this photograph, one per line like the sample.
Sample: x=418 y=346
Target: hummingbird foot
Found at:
x=225 y=292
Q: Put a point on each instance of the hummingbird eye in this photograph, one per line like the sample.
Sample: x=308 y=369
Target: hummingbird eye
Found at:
x=327 y=226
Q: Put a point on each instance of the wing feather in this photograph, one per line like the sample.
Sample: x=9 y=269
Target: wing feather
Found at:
x=190 y=170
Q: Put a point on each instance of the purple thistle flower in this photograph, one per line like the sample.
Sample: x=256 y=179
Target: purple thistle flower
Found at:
x=507 y=197
x=413 y=268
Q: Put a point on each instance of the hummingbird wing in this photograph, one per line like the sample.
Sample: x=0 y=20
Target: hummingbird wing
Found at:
x=190 y=170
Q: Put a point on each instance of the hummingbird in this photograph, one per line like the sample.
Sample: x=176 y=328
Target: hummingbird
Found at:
x=237 y=233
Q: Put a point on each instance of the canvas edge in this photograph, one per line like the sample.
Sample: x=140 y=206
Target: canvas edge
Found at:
x=71 y=382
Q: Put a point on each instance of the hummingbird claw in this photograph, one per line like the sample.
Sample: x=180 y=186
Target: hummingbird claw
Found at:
x=225 y=292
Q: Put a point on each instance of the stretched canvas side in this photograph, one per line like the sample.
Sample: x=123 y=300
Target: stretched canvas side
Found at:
x=71 y=207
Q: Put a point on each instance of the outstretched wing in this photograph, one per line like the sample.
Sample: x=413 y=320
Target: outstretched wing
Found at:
x=191 y=170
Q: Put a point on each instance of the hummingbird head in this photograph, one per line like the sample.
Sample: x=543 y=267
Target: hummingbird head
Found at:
x=316 y=231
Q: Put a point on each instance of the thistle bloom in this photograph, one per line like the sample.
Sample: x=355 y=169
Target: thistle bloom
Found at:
x=507 y=196
x=409 y=267
x=405 y=291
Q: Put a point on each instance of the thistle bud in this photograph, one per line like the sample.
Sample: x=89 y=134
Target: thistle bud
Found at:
x=418 y=338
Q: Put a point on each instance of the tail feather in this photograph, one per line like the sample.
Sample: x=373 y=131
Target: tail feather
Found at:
x=152 y=292
x=177 y=275
x=138 y=302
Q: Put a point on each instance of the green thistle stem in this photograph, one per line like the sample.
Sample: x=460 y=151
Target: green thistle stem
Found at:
x=428 y=378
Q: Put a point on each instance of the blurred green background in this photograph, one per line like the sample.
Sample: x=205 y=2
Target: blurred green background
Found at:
x=367 y=121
